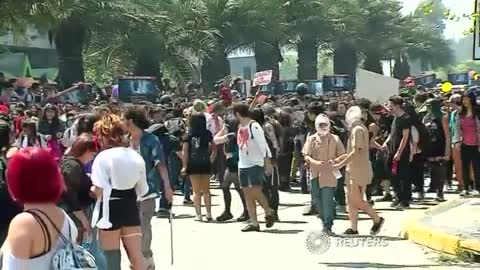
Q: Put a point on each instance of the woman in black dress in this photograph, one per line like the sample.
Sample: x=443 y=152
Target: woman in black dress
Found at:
x=197 y=158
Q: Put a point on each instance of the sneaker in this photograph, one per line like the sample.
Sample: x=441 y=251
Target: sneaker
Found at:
x=163 y=213
x=328 y=232
x=350 y=232
x=377 y=226
x=244 y=217
x=198 y=218
x=275 y=216
x=251 y=228
x=269 y=220
x=386 y=198
x=149 y=263
x=187 y=202
x=464 y=193
x=209 y=218
x=474 y=193
x=395 y=203
x=440 y=198
x=309 y=211
x=224 y=217
x=403 y=205
x=341 y=209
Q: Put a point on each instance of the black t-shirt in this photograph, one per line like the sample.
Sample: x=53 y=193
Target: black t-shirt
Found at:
x=198 y=147
x=399 y=124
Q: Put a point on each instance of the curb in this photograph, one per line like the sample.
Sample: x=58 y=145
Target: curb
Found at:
x=418 y=232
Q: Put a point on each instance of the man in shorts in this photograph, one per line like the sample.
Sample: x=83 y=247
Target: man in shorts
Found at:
x=254 y=156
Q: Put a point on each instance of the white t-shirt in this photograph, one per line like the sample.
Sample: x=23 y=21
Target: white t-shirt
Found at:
x=122 y=168
x=119 y=168
x=252 y=152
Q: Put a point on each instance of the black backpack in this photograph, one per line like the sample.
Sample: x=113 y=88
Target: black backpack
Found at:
x=269 y=142
x=197 y=154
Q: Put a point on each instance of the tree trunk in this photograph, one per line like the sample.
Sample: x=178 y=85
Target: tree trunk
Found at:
x=147 y=64
x=373 y=62
x=213 y=69
x=267 y=57
x=401 y=69
x=345 y=59
x=307 y=59
x=69 y=38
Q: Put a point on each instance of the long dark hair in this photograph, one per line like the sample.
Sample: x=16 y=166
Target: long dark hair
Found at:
x=198 y=124
x=475 y=107
x=49 y=128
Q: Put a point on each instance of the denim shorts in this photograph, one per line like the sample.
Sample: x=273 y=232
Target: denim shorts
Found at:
x=253 y=176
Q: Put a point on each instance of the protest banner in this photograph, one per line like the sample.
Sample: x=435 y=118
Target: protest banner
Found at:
x=376 y=87
x=262 y=78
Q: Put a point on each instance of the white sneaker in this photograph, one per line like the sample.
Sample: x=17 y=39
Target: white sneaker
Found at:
x=474 y=193
x=464 y=193
x=198 y=218
x=149 y=264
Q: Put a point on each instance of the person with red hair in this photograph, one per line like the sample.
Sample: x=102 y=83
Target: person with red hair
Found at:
x=119 y=178
x=36 y=234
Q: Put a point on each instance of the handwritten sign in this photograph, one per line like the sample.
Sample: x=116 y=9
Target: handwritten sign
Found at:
x=262 y=78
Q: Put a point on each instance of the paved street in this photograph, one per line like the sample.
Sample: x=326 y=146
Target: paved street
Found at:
x=223 y=246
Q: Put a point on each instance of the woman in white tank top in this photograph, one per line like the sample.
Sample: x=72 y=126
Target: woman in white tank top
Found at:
x=33 y=238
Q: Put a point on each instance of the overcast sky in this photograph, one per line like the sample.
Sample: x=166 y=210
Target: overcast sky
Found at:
x=454 y=30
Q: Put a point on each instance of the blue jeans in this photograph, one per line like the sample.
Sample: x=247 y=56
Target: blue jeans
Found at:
x=95 y=248
x=187 y=187
x=323 y=198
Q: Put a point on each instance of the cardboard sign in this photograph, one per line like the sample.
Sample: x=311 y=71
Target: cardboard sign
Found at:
x=262 y=78
x=376 y=87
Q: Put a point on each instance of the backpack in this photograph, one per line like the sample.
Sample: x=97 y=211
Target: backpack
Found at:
x=71 y=256
x=269 y=142
x=424 y=142
x=434 y=130
x=176 y=126
x=197 y=154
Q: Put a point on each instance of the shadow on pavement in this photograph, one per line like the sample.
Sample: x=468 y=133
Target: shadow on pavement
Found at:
x=292 y=204
x=183 y=216
x=292 y=222
x=345 y=217
x=276 y=231
x=350 y=265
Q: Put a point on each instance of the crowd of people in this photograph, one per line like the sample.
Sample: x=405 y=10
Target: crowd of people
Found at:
x=92 y=174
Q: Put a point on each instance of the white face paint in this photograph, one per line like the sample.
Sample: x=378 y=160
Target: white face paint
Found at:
x=354 y=114
x=322 y=124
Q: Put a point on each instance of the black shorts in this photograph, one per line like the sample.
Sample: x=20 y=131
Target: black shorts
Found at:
x=123 y=209
x=199 y=168
x=253 y=176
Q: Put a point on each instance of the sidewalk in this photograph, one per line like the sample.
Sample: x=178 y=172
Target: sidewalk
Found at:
x=450 y=227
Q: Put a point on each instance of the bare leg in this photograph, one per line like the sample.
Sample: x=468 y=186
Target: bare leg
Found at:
x=207 y=197
x=361 y=204
x=251 y=205
x=132 y=241
x=197 y=193
x=352 y=209
x=262 y=200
